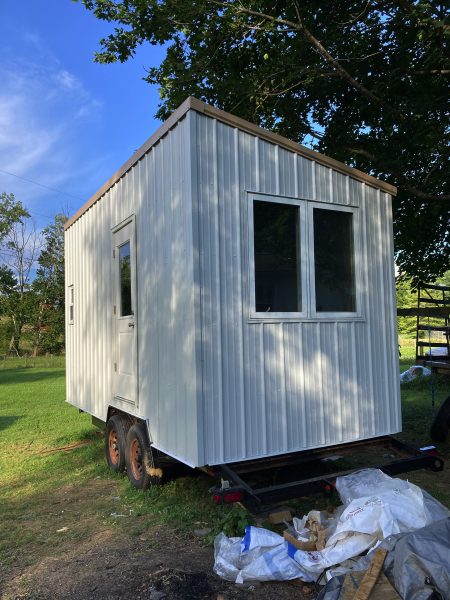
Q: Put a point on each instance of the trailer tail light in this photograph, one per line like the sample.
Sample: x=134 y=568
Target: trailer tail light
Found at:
x=228 y=496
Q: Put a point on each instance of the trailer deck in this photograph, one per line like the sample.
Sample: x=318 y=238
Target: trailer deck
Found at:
x=257 y=483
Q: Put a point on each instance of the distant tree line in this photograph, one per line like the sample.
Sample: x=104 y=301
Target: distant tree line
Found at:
x=31 y=281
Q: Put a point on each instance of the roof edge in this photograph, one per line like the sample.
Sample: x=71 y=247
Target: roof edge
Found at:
x=192 y=103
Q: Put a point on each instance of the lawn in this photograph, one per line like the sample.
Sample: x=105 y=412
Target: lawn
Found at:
x=55 y=487
x=54 y=483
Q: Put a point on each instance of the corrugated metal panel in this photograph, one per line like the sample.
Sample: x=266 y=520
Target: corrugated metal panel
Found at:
x=274 y=387
x=214 y=385
x=324 y=192
x=155 y=190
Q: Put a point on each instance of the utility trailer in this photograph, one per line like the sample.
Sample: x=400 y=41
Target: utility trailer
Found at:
x=259 y=483
x=230 y=297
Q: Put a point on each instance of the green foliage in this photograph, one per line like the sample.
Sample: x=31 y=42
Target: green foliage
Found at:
x=12 y=211
x=28 y=302
x=49 y=288
x=406 y=298
x=367 y=82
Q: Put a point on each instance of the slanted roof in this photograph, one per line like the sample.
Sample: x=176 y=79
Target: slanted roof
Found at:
x=192 y=103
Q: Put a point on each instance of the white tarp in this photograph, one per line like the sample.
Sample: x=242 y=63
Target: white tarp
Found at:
x=375 y=507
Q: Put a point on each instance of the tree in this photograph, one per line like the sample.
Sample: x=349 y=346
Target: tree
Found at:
x=49 y=288
x=366 y=82
x=12 y=211
x=18 y=251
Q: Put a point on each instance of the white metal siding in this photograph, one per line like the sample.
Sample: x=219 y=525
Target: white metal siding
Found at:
x=215 y=386
x=157 y=191
x=274 y=387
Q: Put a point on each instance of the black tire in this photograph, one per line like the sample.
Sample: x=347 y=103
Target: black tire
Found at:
x=115 y=438
x=441 y=422
x=141 y=469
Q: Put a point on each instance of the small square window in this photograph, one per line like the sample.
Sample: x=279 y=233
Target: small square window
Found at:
x=71 y=305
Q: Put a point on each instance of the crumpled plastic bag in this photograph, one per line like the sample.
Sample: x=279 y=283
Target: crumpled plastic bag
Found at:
x=261 y=555
x=376 y=507
x=413 y=373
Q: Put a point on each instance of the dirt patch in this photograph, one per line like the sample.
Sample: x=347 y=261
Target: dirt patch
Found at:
x=161 y=564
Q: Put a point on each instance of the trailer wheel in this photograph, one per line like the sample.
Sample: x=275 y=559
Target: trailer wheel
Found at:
x=115 y=436
x=441 y=422
x=141 y=469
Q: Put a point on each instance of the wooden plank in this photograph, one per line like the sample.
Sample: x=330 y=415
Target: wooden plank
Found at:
x=425 y=311
x=371 y=575
x=306 y=546
x=432 y=300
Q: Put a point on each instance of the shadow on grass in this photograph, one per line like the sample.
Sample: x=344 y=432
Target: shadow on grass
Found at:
x=6 y=422
x=20 y=376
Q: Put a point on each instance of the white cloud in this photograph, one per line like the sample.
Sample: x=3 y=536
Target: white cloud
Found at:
x=41 y=106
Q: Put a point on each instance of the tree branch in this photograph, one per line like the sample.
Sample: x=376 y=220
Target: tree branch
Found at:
x=407 y=186
x=323 y=52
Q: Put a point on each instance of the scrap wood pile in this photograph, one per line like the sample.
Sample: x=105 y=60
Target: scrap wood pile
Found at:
x=388 y=538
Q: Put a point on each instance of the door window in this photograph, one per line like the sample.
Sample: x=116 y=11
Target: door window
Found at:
x=125 y=280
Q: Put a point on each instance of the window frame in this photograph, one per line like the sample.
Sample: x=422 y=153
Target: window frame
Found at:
x=306 y=262
x=334 y=315
x=302 y=279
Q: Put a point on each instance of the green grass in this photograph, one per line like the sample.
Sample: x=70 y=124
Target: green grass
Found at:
x=44 y=488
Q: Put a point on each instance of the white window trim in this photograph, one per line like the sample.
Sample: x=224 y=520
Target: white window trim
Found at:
x=303 y=274
x=356 y=256
x=307 y=274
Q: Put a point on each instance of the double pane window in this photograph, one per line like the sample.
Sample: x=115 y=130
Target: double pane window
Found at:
x=287 y=265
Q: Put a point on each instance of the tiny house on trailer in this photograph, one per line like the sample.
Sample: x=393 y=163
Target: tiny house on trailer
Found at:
x=230 y=297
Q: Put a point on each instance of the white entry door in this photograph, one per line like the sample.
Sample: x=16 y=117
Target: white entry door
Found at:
x=125 y=314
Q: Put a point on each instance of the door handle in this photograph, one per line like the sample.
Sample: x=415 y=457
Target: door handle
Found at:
x=130 y=324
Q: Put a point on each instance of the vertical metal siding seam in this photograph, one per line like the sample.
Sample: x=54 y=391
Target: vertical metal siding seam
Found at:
x=277 y=170
x=395 y=382
x=284 y=388
x=347 y=190
x=239 y=291
x=98 y=302
x=263 y=387
x=296 y=187
x=257 y=163
x=356 y=403
x=106 y=312
x=388 y=287
x=381 y=312
x=301 y=374
x=330 y=186
x=386 y=292
x=313 y=180
x=215 y=241
x=337 y=401
x=193 y=178
x=373 y=322
x=320 y=378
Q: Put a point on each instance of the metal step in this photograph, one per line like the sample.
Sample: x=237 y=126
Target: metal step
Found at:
x=444 y=328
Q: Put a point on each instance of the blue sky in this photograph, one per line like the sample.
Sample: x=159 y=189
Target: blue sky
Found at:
x=65 y=121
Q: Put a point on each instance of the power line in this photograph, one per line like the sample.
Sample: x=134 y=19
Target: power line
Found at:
x=47 y=187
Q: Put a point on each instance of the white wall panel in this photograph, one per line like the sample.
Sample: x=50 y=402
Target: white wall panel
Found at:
x=274 y=387
x=214 y=385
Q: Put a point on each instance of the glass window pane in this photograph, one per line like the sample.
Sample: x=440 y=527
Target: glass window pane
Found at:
x=276 y=244
x=125 y=280
x=334 y=261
